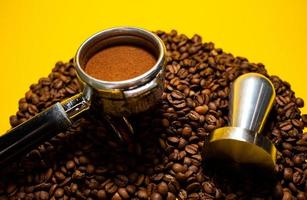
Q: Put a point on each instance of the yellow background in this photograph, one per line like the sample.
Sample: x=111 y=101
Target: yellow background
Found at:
x=36 y=34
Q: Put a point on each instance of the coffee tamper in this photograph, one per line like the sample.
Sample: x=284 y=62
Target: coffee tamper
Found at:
x=241 y=142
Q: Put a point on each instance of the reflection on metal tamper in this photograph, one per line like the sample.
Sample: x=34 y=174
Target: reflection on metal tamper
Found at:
x=251 y=100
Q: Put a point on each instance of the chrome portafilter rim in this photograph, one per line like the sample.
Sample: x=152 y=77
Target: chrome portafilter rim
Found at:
x=120 y=35
x=125 y=90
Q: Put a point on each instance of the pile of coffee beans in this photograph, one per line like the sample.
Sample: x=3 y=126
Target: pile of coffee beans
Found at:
x=164 y=159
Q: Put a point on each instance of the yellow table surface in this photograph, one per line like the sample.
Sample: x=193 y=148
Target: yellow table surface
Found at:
x=35 y=34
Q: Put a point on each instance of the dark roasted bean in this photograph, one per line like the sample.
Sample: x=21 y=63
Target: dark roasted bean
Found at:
x=43 y=195
x=186 y=131
x=202 y=109
x=301 y=196
x=208 y=187
x=121 y=180
x=298 y=178
x=70 y=164
x=170 y=196
x=123 y=193
x=59 y=176
x=116 y=196
x=59 y=192
x=193 y=187
x=111 y=188
x=278 y=192
x=287 y=195
x=299 y=102
x=162 y=188
x=142 y=194
x=156 y=196
x=288 y=174
x=101 y=194
x=191 y=149
x=178 y=168
x=73 y=187
x=298 y=159
x=193 y=115
x=177 y=94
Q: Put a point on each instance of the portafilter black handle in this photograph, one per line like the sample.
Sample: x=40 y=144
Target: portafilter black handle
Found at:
x=41 y=127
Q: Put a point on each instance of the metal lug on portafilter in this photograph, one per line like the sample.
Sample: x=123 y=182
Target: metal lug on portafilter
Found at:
x=251 y=100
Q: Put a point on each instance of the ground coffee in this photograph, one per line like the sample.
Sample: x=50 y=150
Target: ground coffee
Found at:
x=87 y=162
x=117 y=63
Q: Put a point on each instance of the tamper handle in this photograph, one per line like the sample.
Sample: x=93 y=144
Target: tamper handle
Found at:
x=251 y=100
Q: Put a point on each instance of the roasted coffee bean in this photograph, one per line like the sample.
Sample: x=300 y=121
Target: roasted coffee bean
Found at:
x=178 y=168
x=59 y=192
x=193 y=115
x=299 y=102
x=163 y=160
x=11 y=188
x=78 y=175
x=165 y=122
x=48 y=174
x=170 y=196
x=288 y=174
x=191 y=149
x=70 y=164
x=292 y=187
x=287 y=195
x=121 y=180
x=140 y=180
x=298 y=178
x=208 y=187
x=278 y=192
x=298 y=159
x=202 y=109
x=193 y=187
x=156 y=196
x=186 y=131
x=131 y=189
x=101 y=194
x=43 y=195
x=177 y=94
x=182 y=194
x=142 y=194
x=174 y=140
x=83 y=160
x=111 y=187
x=162 y=188
x=52 y=189
x=123 y=193
x=231 y=196
x=91 y=169
x=116 y=196
x=59 y=176
x=73 y=187
x=301 y=196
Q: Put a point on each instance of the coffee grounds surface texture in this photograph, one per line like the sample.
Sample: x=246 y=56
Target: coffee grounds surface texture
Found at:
x=164 y=162
x=118 y=63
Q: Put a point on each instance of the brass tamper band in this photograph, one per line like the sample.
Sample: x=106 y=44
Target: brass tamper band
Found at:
x=241 y=146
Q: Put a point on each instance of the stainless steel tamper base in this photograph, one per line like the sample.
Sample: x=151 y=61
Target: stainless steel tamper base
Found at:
x=251 y=99
x=241 y=146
